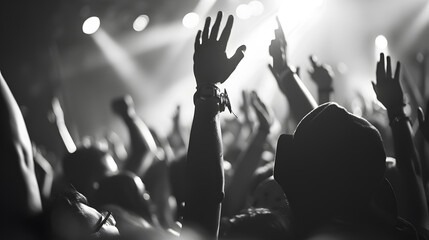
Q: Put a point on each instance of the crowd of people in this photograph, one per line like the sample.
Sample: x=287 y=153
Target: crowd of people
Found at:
x=330 y=179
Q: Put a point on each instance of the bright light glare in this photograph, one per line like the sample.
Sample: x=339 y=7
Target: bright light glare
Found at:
x=191 y=20
x=318 y=3
x=91 y=25
x=381 y=42
x=256 y=7
x=141 y=23
x=243 y=11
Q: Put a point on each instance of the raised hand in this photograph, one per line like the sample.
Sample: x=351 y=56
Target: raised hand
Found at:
x=278 y=51
x=176 y=116
x=211 y=65
x=388 y=88
x=265 y=118
x=245 y=108
x=424 y=122
x=123 y=106
x=321 y=74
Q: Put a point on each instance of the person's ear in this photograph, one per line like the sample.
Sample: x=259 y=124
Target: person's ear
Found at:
x=283 y=152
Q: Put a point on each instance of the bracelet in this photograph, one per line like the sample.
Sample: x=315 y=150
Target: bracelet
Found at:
x=207 y=91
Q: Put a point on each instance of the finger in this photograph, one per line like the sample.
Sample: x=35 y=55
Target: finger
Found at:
x=313 y=61
x=206 y=29
x=226 y=32
x=374 y=86
x=297 y=71
x=215 y=28
x=197 y=40
x=261 y=104
x=236 y=58
x=279 y=36
x=382 y=65
x=255 y=101
x=420 y=116
x=397 y=71
x=280 y=29
x=389 y=68
x=381 y=72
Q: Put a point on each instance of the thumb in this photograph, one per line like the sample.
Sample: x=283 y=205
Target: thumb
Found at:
x=236 y=58
x=420 y=116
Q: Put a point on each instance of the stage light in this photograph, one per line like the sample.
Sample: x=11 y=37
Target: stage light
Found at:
x=381 y=42
x=256 y=7
x=243 y=11
x=191 y=20
x=91 y=25
x=140 y=23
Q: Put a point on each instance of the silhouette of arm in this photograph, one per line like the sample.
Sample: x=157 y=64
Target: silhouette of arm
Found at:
x=61 y=126
x=18 y=182
x=204 y=171
x=411 y=200
x=175 y=138
x=322 y=75
x=142 y=143
x=300 y=99
x=249 y=160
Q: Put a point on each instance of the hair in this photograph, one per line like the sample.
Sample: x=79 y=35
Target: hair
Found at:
x=84 y=167
x=256 y=224
x=125 y=190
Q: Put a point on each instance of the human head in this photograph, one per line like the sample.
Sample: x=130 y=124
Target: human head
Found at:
x=125 y=190
x=86 y=166
x=333 y=163
x=71 y=218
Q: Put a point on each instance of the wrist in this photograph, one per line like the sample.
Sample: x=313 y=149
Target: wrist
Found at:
x=397 y=114
x=325 y=90
x=211 y=92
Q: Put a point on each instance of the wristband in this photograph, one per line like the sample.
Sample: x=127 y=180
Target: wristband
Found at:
x=212 y=91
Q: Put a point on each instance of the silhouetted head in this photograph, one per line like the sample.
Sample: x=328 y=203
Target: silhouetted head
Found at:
x=125 y=190
x=333 y=163
x=71 y=218
x=256 y=224
x=86 y=167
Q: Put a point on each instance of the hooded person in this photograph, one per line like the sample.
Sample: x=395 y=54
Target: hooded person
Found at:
x=332 y=172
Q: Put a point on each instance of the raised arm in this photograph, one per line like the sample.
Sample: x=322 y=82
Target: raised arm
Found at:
x=249 y=160
x=142 y=144
x=322 y=75
x=58 y=113
x=300 y=99
x=175 y=138
x=204 y=171
x=411 y=197
x=20 y=192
